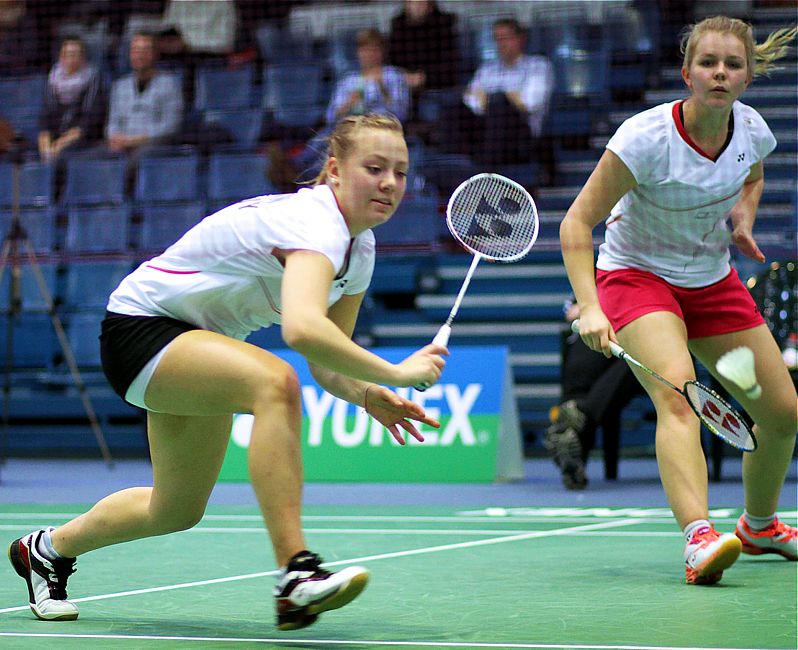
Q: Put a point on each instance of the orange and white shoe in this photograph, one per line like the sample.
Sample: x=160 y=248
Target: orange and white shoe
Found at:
x=777 y=538
x=707 y=554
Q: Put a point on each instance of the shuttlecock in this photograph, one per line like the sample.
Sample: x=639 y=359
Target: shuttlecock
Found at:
x=737 y=365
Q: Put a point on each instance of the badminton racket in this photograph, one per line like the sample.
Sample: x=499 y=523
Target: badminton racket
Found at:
x=715 y=412
x=494 y=218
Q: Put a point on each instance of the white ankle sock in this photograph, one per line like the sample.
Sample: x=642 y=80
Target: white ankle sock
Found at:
x=690 y=528
x=46 y=542
x=759 y=523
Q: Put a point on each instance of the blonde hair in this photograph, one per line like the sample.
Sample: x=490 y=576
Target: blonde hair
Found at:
x=760 y=57
x=343 y=139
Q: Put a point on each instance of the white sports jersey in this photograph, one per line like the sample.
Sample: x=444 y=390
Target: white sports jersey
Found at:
x=221 y=275
x=673 y=223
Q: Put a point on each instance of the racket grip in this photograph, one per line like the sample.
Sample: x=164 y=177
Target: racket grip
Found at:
x=617 y=350
x=441 y=338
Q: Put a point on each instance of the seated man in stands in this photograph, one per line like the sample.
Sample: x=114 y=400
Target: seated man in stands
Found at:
x=504 y=108
x=146 y=105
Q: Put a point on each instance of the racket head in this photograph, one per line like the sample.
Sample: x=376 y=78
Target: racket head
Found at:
x=719 y=416
x=494 y=217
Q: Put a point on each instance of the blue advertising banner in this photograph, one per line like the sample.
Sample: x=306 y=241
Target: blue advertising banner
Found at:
x=478 y=441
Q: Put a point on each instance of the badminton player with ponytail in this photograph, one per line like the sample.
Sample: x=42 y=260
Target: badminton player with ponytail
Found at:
x=669 y=179
x=173 y=343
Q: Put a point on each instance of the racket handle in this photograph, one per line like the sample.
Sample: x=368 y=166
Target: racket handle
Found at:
x=441 y=338
x=617 y=350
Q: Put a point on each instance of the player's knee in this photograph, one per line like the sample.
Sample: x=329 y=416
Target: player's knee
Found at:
x=174 y=521
x=781 y=422
x=277 y=383
x=673 y=406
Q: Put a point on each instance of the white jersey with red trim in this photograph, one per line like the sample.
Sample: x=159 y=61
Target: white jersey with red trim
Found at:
x=222 y=275
x=673 y=223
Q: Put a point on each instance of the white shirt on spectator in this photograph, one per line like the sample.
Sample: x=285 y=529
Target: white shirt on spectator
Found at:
x=205 y=25
x=155 y=112
x=530 y=76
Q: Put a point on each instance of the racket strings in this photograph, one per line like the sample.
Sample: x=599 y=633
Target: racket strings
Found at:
x=719 y=416
x=494 y=217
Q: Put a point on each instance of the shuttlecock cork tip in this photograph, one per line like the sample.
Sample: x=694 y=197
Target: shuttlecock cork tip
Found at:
x=737 y=365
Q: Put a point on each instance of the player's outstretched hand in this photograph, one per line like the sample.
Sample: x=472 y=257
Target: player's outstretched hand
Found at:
x=395 y=412
x=423 y=367
x=743 y=238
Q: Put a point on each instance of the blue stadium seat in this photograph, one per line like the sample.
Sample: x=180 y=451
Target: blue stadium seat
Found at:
x=88 y=284
x=30 y=294
x=39 y=225
x=220 y=88
x=236 y=176
x=278 y=45
x=244 y=124
x=168 y=176
x=581 y=92
x=293 y=93
x=21 y=101
x=97 y=229
x=35 y=184
x=95 y=180
x=35 y=343
x=83 y=332
x=163 y=224
x=631 y=50
x=417 y=221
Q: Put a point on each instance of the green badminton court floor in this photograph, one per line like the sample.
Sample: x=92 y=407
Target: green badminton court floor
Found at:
x=441 y=578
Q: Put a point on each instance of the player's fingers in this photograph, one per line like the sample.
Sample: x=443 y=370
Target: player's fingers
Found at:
x=411 y=429
x=397 y=435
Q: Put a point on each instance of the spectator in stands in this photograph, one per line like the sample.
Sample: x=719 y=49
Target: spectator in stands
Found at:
x=375 y=88
x=504 y=108
x=207 y=28
x=19 y=38
x=423 y=43
x=146 y=105
x=595 y=389
x=74 y=103
x=670 y=179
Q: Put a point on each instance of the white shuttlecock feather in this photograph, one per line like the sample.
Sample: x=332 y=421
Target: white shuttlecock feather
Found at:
x=737 y=365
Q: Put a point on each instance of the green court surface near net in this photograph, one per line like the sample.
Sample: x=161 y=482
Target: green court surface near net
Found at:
x=441 y=578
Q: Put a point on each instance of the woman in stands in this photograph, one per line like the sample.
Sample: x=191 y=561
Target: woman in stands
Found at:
x=173 y=344
x=669 y=179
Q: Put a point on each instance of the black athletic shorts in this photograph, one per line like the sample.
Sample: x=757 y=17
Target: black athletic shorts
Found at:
x=127 y=343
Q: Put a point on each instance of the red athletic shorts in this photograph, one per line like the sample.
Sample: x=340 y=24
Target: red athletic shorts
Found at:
x=723 y=307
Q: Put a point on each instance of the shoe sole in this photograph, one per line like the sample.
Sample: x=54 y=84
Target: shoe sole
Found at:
x=345 y=594
x=712 y=570
x=751 y=549
x=15 y=558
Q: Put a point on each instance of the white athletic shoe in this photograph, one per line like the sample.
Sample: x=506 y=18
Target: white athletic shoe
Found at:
x=707 y=554
x=46 y=579
x=777 y=538
x=306 y=590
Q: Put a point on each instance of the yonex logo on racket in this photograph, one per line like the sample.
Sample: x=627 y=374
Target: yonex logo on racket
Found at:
x=727 y=420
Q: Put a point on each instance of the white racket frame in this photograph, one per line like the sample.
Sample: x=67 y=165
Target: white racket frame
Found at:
x=748 y=442
x=445 y=330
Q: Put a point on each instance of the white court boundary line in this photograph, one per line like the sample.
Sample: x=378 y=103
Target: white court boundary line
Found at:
x=366 y=558
x=340 y=642
x=260 y=530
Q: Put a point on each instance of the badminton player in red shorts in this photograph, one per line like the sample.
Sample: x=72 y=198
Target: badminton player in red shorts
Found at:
x=669 y=179
x=173 y=343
